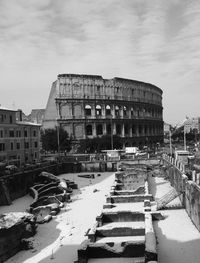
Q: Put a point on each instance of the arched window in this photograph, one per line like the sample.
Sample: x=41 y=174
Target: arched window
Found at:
x=108 y=110
x=89 y=130
x=98 y=110
x=99 y=129
x=116 y=111
x=88 y=110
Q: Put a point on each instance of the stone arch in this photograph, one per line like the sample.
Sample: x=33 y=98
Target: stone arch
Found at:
x=125 y=111
x=108 y=110
x=89 y=130
x=99 y=129
x=126 y=129
x=117 y=111
x=108 y=128
x=98 y=110
x=88 y=110
x=118 y=129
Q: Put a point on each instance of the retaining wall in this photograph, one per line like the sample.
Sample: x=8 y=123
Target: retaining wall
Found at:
x=190 y=190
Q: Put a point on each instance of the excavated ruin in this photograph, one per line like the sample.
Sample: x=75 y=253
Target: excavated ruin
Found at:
x=124 y=229
x=15 y=229
x=49 y=193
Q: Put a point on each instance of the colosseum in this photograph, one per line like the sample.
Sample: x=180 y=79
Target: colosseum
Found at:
x=87 y=106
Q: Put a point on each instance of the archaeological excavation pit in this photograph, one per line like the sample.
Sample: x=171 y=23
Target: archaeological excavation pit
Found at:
x=124 y=229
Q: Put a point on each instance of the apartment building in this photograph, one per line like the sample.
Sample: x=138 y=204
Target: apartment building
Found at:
x=19 y=140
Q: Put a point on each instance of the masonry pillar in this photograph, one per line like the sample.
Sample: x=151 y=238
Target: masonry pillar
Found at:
x=104 y=128
x=94 y=130
x=114 y=128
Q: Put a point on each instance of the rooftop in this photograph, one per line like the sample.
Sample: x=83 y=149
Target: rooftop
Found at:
x=6 y=109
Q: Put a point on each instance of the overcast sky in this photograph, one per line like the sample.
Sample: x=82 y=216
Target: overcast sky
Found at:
x=155 y=41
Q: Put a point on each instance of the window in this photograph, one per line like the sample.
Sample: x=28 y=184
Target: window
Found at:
x=99 y=129
x=25 y=133
x=18 y=133
x=1 y=133
x=2 y=118
x=98 y=88
x=11 y=145
x=11 y=119
x=108 y=110
x=98 y=110
x=34 y=133
x=89 y=130
x=2 y=147
x=88 y=110
x=18 y=145
x=36 y=144
x=11 y=133
x=26 y=145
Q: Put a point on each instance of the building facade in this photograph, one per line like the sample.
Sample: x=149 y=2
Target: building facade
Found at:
x=192 y=124
x=87 y=106
x=19 y=140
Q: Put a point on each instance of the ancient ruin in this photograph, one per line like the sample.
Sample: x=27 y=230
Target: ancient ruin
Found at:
x=124 y=228
x=15 y=229
x=49 y=193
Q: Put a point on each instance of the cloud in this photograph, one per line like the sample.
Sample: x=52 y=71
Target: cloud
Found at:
x=154 y=41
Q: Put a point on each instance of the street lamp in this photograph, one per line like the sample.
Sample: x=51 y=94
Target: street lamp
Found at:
x=58 y=139
x=170 y=142
x=185 y=146
x=111 y=132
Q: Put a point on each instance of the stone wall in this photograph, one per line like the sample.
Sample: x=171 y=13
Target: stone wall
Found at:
x=190 y=190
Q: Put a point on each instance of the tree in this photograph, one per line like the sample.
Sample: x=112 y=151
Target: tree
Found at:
x=99 y=143
x=49 y=139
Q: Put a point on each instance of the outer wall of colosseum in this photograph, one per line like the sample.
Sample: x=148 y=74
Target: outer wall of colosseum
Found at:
x=88 y=106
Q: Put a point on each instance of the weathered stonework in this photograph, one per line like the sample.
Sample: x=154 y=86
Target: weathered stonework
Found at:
x=87 y=106
x=14 y=229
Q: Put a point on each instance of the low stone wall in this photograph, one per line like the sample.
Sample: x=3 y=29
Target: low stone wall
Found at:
x=190 y=190
x=128 y=198
x=120 y=216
